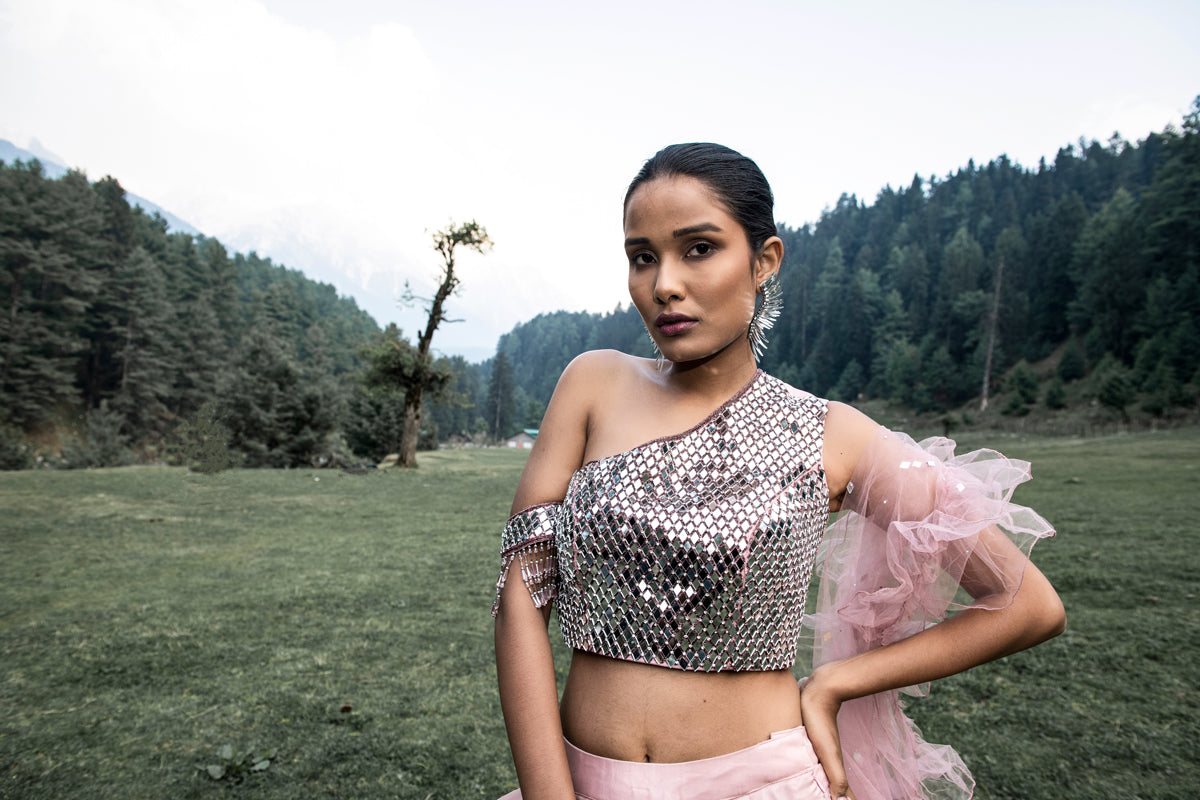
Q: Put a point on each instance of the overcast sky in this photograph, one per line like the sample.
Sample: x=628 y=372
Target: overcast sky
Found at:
x=335 y=136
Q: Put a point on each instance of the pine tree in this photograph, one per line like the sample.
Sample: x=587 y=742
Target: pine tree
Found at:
x=1109 y=274
x=142 y=331
x=101 y=369
x=199 y=356
x=1072 y=366
x=1056 y=394
x=1164 y=390
x=103 y=444
x=222 y=289
x=275 y=417
x=501 y=406
x=326 y=399
x=454 y=411
x=1170 y=212
x=958 y=309
x=850 y=383
x=830 y=295
x=375 y=424
x=1022 y=387
x=1115 y=387
x=48 y=235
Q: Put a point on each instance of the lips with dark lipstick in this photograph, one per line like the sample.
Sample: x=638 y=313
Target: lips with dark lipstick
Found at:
x=674 y=324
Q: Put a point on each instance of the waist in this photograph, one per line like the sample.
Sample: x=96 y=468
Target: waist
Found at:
x=636 y=712
x=785 y=762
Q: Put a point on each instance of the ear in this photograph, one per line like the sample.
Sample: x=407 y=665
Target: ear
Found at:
x=769 y=260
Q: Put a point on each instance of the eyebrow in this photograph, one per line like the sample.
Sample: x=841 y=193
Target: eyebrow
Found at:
x=701 y=228
x=676 y=234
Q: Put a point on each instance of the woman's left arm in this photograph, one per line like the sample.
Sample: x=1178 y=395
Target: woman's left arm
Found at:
x=1019 y=618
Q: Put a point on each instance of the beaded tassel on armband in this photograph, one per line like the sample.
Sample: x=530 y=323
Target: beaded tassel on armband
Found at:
x=528 y=540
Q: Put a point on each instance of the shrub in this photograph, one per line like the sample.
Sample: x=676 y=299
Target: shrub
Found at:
x=205 y=441
x=14 y=453
x=1072 y=366
x=1116 y=389
x=850 y=383
x=427 y=438
x=1015 y=407
x=103 y=444
x=1023 y=383
x=1056 y=394
x=1164 y=391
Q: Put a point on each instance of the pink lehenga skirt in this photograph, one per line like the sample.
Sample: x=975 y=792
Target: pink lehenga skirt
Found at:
x=783 y=767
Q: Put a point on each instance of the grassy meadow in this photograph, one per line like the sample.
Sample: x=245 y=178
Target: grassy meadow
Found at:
x=150 y=617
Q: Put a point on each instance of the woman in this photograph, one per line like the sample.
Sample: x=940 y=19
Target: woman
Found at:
x=673 y=512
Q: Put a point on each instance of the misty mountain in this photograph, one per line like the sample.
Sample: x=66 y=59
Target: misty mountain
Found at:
x=301 y=244
x=53 y=167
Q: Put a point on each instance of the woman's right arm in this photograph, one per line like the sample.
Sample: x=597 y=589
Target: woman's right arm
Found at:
x=524 y=663
x=529 y=696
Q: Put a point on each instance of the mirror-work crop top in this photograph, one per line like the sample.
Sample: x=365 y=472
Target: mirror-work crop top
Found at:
x=693 y=551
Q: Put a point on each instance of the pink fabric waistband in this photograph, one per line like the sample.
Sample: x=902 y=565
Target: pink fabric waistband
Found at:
x=783 y=766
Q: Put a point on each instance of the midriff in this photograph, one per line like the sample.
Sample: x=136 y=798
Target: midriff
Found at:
x=638 y=712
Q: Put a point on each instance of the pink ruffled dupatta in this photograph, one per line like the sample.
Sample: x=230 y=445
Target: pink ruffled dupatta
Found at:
x=919 y=524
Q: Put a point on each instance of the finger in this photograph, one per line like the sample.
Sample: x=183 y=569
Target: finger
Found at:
x=839 y=788
x=830 y=756
x=822 y=734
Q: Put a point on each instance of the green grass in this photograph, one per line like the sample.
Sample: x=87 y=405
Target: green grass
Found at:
x=1112 y=707
x=149 y=616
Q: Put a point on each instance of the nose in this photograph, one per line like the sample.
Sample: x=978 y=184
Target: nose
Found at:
x=668 y=282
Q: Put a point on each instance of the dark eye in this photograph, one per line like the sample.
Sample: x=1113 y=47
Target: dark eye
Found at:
x=700 y=249
x=641 y=259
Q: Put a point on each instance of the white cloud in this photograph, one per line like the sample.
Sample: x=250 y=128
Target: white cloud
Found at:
x=266 y=134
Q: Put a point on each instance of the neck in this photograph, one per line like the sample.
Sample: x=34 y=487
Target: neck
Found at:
x=720 y=374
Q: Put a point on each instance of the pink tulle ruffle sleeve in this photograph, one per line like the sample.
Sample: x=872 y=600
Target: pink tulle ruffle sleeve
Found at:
x=923 y=532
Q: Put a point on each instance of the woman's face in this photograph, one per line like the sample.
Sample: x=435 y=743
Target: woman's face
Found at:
x=692 y=274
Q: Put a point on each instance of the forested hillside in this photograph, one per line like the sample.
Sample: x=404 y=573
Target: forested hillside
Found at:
x=114 y=332
x=121 y=341
x=1093 y=257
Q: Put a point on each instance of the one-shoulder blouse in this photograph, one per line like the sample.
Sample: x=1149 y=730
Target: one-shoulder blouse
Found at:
x=692 y=551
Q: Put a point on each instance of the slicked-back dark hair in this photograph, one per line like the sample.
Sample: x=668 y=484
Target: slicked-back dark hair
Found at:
x=735 y=181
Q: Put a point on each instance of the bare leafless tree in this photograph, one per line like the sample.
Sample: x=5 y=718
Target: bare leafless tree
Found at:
x=424 y=375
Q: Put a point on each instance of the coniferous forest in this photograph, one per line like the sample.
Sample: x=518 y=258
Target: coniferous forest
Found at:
x=1072 y=284
x=1080 y=277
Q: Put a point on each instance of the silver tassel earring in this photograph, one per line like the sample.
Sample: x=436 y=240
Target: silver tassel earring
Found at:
x=765 y=315
x=659 y=360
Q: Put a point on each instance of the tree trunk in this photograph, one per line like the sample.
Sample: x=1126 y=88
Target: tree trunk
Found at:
x=412 y=426
x=803 y=321
x=412 y=396
x=125 y=356
x=10 y=351
x=993 y=319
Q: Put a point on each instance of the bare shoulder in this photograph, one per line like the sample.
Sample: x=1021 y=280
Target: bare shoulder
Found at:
x=586 y=384
x=599 y=379
x=596 y=368
x=848 y=431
